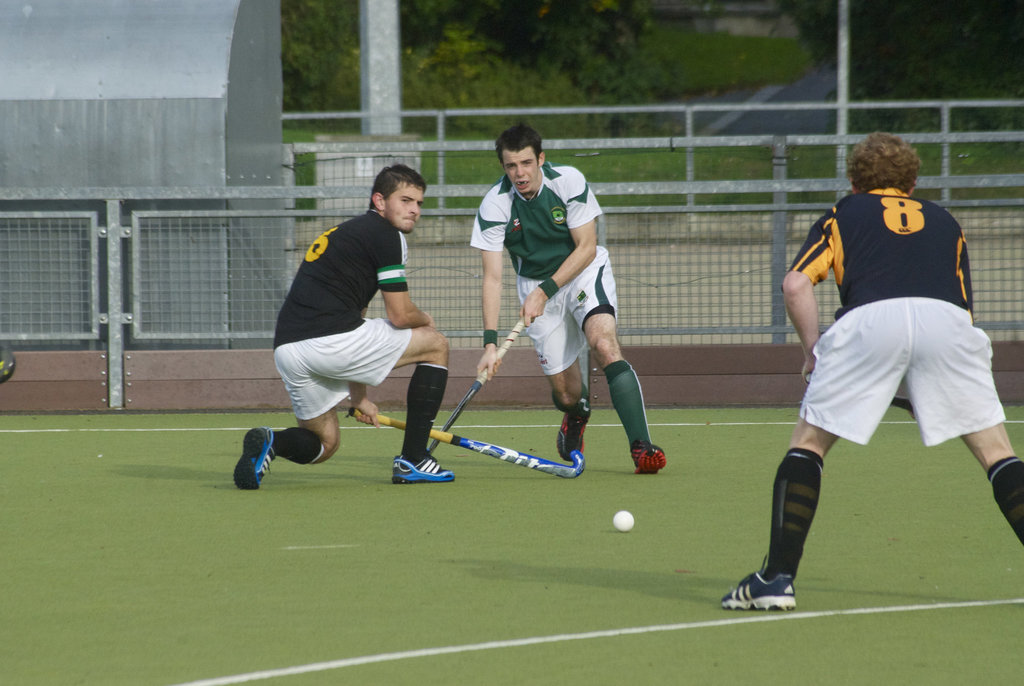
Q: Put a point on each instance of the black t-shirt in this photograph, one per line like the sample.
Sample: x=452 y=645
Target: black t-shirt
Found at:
x=343 y=269
x=882 y=245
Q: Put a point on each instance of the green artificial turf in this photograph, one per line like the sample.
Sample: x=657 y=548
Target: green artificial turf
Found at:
x=128 y=557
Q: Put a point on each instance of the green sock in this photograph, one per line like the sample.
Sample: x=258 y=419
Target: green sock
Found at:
x=628 y=400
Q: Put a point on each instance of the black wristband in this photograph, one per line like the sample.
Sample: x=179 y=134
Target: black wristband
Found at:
x=490 y=336
x=549 y=287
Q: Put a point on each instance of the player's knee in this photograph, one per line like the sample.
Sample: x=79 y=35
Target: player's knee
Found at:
x=329 y=448
x=605 y=351
x=428 y=345
x=565 y=400
x=439 y=348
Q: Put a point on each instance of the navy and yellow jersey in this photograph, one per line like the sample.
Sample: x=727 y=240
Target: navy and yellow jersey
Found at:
x=342 y=271
x=882 y=245
x=535 y=231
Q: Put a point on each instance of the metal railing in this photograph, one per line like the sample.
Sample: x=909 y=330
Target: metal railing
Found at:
x=694 y=116
x=695 y=121
x=135 y=270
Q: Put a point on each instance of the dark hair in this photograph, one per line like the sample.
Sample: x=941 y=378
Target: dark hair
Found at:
x=390 y=178
x=883 y=160
x=516 y=138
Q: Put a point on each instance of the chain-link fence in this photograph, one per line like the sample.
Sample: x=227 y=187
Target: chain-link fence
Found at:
x=49 y=276
x=696 y=261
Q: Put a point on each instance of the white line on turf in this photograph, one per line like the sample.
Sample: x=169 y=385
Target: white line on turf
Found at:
x=364 y=427
x=320 y=547
x=560 y=638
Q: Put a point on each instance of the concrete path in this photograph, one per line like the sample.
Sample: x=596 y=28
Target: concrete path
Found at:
x=817 y=86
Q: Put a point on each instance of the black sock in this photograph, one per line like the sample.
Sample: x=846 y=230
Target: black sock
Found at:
x=1007 y=477
x=299 y=445
x=423 y=399
x=794 y=501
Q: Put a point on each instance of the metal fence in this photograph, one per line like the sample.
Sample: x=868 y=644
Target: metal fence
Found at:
x=49 y=276
x=697 y=118
x=697 y=260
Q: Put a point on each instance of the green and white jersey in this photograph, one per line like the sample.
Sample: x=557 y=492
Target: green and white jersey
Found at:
x=536 y=231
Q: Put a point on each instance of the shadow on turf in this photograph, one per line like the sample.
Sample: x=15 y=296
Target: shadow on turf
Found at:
x=222 y=477
x=659 y=584
x=160 y=472
x=673 y=585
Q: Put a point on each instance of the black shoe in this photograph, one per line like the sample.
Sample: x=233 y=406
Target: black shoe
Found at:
x=257 y=454
x=570 y=436
x=755 y=592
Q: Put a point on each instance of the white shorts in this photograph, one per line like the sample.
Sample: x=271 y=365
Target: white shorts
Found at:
x=931 y=344
x=558 y=333
x=316 y=372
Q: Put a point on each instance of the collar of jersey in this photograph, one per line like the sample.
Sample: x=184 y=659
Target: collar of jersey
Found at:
x=889 y=191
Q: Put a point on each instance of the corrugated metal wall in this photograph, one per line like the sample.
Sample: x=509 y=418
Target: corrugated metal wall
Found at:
x=122 y=93
x=119 y=93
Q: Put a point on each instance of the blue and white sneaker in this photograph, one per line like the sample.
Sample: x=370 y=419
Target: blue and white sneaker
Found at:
x=426 y=470
x=257 y=453
x=754 y=592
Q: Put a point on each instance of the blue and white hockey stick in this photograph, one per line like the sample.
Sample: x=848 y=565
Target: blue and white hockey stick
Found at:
x=505 y=454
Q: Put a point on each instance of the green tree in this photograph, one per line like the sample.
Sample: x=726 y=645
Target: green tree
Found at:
x=590 y=47
x=592 y=42
x=560 y=33
x=319 y=43
x=914 y=50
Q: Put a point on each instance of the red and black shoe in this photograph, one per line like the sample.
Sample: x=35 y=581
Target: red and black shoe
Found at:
x=570 y=436
x=647 y=457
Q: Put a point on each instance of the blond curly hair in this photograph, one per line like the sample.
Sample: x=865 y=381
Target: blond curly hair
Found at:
x=883 y=160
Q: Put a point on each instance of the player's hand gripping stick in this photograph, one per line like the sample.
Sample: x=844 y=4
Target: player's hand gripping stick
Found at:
x=481 y=379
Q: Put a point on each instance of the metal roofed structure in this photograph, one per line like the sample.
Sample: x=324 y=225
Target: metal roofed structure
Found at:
x=156 y=93
x=137 y=94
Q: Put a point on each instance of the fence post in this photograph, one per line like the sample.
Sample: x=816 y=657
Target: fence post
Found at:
x=441 y=175
x=690 y=175
x=779 y=221
x=115 y=308
x=945 y=118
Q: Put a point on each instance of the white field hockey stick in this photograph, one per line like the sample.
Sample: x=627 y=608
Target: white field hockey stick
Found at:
x=481 y=379
x=505 y=454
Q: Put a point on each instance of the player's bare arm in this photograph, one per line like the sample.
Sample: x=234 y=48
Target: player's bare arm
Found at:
x=802 y=308
x=367 y=409
x=585 y=238
x=491 y=302
x=402 y=312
